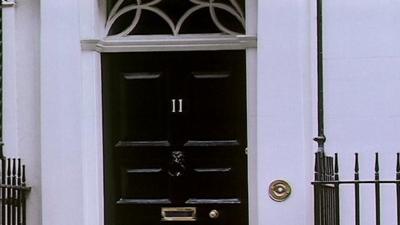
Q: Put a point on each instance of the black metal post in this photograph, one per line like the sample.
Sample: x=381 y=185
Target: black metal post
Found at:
x=317 y=198
x=320 y=80
x=18 y=198
x=377 y=191
x=328 y=193
x=316 y=186
x=13 y=193
x=357 y=190
x=23 y=196
x=337 y=191
x=398 y=187
x=323 y=189
x=3 y=191
x=8 y=201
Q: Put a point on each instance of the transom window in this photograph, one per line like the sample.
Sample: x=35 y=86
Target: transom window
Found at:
x=175 y=17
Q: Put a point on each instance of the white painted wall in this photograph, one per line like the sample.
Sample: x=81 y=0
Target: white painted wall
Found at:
x=61 y=113
x=362 y=58
x=284 y=109
x=21 y=95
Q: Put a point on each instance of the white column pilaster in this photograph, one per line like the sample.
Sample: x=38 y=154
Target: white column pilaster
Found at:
x=61 y=96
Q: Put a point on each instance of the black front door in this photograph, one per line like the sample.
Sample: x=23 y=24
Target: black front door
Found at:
x=175 y=138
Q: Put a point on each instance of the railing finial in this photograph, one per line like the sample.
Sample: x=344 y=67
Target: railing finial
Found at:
x=356 y=167
x=336 y=166
x=376 y=166
x=398 y=166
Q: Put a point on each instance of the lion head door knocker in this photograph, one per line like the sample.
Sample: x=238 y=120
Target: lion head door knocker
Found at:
x=177 y=164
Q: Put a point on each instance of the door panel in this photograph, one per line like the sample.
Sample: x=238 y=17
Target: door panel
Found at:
x=142 y=109
x=212 y=115
x=218 y=176
x=175 y=137
x=217 y=102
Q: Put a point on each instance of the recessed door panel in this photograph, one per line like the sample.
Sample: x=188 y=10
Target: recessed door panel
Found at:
x=217 y=104
x=212 y=176
x=175 y=138
x=143 y=103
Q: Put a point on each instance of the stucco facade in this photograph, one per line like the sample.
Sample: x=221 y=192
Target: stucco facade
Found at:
x=53 y=112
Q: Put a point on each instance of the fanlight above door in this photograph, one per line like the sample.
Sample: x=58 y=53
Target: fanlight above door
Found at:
x=175 y=17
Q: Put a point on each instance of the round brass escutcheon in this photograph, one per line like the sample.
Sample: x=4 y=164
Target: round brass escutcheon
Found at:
x=214 y=214
x=279 y=190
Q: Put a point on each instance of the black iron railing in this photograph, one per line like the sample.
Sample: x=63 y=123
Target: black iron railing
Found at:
x=13 y=191
x=327 y=189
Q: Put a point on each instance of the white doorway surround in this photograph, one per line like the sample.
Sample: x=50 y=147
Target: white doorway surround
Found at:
x=280 y=79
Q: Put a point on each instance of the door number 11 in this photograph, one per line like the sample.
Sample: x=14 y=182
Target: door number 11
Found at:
x=180 y=102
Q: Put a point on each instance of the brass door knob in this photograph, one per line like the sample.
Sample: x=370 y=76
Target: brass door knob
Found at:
x=279 y=190
x=214 y=214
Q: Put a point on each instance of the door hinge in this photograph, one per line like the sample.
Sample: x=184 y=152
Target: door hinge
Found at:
x=6 y=4
x=246 y=151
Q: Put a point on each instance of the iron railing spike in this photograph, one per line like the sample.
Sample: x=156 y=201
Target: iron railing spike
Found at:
x=356 y=190
x=13 y=167
x=356 y=163
x=336 y=163
x=376 y=166
x=8 y=199
x=3 y=190
x=23 y=175
x=19 y=168
x=398 y=186
x=13 y=193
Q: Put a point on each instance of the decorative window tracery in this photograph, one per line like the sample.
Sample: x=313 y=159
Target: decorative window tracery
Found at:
x=175 y=17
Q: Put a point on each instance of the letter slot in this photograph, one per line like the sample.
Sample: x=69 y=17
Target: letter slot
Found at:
x=178 y=214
